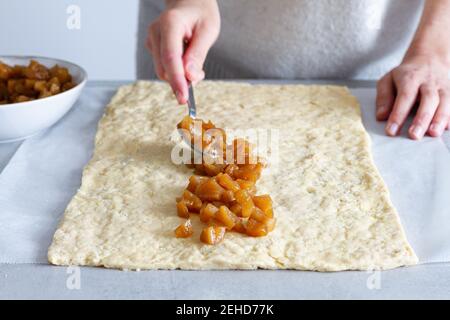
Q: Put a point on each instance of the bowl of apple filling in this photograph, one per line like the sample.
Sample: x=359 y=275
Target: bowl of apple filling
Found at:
x=35 y=93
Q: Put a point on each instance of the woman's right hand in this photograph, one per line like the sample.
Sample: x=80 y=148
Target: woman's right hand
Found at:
x=195 y=23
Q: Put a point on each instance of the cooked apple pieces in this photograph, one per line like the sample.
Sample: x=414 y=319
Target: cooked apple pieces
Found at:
x=223 y=190
x=35 y=81
x=184 y=230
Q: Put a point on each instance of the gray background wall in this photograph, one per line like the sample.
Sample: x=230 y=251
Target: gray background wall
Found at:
x=104 y=45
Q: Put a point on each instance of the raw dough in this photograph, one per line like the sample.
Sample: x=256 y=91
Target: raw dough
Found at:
x=332 y=208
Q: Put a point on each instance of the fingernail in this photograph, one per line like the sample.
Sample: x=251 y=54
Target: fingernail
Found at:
x=381 y=109
x=392 y=129
x=380 y=113
x=179 y=96
x=417 y=131
x=437 y=128
x=191 y=68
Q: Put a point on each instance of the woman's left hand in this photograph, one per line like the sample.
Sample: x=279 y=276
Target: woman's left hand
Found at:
x=420 y=79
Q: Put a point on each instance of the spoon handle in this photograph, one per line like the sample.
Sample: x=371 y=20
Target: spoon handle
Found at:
x=191 y=102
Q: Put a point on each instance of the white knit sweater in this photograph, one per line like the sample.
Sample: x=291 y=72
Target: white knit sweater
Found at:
x=302 y=39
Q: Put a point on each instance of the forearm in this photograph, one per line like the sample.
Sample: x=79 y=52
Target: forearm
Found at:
x=432 y=37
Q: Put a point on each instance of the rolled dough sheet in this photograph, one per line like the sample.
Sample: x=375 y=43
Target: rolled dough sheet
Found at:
x=332 y=207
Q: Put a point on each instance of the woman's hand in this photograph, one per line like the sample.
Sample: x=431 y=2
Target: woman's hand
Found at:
x=420 y=79
x=179 y=41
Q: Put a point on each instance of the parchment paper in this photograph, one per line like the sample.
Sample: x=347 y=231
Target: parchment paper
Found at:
x=45 y=172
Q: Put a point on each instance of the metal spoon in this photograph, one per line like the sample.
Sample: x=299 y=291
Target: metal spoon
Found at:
x=191 y=102
x=192 y=109
x=212 y=154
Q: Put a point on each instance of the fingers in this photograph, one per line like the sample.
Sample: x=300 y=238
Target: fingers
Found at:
x=200 y=43
x=153 y=44
x=406 y=97
x=385 y=97
x=171 y=51
x=429 y=101
x=196 y=22
x=441 y=120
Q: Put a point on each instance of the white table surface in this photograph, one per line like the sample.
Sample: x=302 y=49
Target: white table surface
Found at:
x=40 y=281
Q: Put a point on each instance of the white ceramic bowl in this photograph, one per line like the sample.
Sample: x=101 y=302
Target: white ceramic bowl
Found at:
x=22 y=120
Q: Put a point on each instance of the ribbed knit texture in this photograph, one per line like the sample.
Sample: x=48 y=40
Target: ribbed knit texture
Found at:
x=302 y=39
